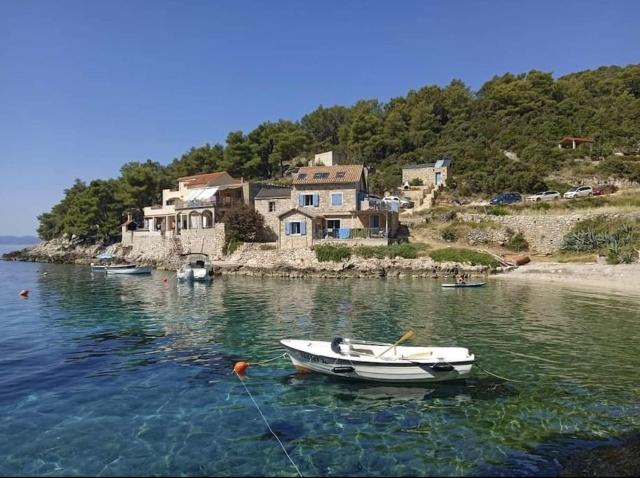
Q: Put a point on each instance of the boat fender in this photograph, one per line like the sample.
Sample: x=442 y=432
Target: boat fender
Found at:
x=442 y=367
x=343 y=369
x=335 y=345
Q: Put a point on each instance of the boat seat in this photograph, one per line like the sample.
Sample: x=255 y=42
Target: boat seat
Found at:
x=361 y=351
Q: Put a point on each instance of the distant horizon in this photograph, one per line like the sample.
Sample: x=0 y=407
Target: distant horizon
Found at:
x=89 y=87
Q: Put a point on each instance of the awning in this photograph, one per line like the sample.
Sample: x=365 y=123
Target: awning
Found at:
x=201 y=194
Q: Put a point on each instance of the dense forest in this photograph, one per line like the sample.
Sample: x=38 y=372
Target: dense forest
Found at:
x=525 y=114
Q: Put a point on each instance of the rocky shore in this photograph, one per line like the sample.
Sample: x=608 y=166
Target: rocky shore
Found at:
x=254 y=260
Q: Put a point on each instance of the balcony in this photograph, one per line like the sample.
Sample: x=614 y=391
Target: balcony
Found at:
x=213 y=202
x=346 y=234
x=375 y=204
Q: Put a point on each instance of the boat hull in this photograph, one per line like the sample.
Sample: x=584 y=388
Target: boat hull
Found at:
x=461 y=286
x=130 y=270
x=391 y=370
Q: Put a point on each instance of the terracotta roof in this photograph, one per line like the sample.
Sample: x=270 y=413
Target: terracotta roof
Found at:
x=575 y=138
x=273 y=192
x=203 y=179
x=301 y=211
x=346 y=174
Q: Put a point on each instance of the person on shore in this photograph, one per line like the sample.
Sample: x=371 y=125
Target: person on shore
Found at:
x=460 y=280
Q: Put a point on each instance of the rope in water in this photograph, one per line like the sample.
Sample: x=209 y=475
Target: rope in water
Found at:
x=268 y=426
x=498 y=376
x=270 y=360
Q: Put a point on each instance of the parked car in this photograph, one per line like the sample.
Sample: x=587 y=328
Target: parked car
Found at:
x=544 y=196
x=604 y=189
x=506 y=198
x=578 y=192
x=402 y=202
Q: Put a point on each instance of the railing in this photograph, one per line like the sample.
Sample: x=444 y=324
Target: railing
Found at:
x=214 y=202
x=346 y=234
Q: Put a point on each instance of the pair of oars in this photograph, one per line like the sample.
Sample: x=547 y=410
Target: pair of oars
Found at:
x=406 y=336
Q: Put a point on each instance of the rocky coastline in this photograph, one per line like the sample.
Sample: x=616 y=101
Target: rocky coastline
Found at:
x=254 y=260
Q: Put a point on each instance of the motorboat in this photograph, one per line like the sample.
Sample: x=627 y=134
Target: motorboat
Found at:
x=196 y=267
x=379 y=362
x=457 y=285
x=127 y=269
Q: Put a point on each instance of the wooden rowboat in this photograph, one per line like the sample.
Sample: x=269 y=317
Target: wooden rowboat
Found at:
x=380 y=362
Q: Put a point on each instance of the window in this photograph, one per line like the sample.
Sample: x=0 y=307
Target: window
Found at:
x=302 y=175
x=340 y=174
x=336 y=199
x=320 y=175
x=295 y=228
x=309 y=200
x=272 y=206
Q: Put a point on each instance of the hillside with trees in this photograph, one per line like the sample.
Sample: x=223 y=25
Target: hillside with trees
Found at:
x=525 y=114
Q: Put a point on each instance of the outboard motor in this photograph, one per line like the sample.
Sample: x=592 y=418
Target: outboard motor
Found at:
x=335 y=345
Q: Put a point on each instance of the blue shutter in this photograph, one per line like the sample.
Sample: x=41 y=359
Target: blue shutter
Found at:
x=303 y=228
x=316 y=200
x=287 y=228
x=301 y=200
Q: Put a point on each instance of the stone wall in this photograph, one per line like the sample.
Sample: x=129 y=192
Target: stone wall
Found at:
x=165 y=249
x=348 y=191
x=543 y=232
x=271 y=220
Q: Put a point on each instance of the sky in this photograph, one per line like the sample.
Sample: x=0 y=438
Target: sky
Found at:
x=87 y=86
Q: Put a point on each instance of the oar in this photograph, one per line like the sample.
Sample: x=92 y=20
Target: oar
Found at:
x=407 y=335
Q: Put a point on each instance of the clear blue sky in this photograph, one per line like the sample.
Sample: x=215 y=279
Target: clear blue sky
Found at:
x=86 y=86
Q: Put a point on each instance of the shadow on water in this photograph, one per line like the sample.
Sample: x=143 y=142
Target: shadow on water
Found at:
x=481 y=388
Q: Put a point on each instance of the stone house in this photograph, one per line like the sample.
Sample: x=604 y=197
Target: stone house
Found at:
x=432 y=175
x=332 y=204
x=271 y=201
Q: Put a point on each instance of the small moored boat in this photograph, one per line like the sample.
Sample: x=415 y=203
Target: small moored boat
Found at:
x=467 y=284
x=196 y=267
x=128 y=269
x=380 y=362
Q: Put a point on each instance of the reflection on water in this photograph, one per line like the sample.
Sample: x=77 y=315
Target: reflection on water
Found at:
x=132 y=375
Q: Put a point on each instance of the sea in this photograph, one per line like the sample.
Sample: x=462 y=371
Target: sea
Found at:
x=132 y=375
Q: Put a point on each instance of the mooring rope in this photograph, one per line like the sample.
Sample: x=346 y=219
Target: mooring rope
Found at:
x=498 y=376
x=267 y=423
x=270 y=360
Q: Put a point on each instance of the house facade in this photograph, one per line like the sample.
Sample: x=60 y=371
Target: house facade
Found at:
x=431 y=174
x=331 y=204
x=271 y=201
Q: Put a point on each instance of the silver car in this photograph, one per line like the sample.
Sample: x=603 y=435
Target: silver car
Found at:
x=579 y=192
x=544 y=196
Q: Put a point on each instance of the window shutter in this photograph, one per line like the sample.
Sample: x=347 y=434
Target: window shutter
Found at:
x=316 y=200
x=303 y=228
x=301 y=199
x=287 y=228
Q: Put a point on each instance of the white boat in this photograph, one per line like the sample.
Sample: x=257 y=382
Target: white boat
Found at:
x=196 y=267
x=128 y=269
x=380 y=362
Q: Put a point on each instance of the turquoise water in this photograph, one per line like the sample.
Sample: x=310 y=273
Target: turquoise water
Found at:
x=132 y=376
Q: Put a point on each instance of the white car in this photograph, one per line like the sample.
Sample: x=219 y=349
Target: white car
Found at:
x=403 y=203
x=544 y=196
x=579 y=192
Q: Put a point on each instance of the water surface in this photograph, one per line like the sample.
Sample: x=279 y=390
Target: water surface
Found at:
x=132 y=376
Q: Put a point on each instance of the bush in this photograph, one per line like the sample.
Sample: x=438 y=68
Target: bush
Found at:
x=232 y=245
x=416 y=182
x=517 y=243
x=616 y=238
x=328 y=253
x=449 y=233
x=464 y=256
x=406 y=250
x=498 y=211
x=244 y=224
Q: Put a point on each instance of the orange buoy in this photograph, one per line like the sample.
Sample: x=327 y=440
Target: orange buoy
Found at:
x=241 y=367
x=24 y=293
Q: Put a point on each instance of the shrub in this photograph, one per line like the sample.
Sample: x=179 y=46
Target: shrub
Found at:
x=449 y=233
x=517 y=243
x=232 y=245
x=243 y=223
x=406 y=250
x=464 y=256
x=328 y=253
x=416 y=182
x=498 y=211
